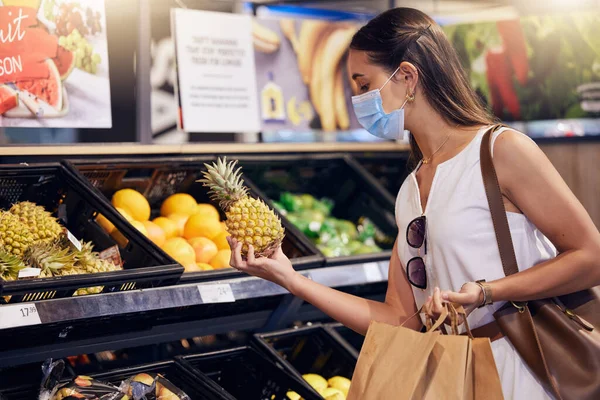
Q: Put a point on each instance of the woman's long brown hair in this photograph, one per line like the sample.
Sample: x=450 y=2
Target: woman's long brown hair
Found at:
x=406 y=34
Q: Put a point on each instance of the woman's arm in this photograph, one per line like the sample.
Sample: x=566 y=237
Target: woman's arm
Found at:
x=530 y=181
x=352 y=311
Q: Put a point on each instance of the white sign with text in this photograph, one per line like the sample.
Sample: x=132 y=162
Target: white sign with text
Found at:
x=216 y=71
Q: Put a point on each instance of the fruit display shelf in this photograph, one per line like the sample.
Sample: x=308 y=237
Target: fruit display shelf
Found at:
x=195 y=388
x=158 y=178
x=309 y=350
x=38 y=330
x=58 y=191
x=244 y=373
x=327 y=197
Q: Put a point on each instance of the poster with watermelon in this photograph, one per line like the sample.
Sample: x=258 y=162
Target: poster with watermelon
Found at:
x=54 y=64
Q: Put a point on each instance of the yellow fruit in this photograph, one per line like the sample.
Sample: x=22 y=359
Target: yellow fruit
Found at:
x=180 y=250
x=340 y=383
x=140 y=227
x=105 y=223
x=155 y=233
x=124 y=213
x=249 y=220
x=169 y=227
x=332 y=394
x=192 y=267
x=221 y=260
x=200 y=226
x=224 y=226
x=205 y=267
x=221 y=241
x=316 y=381
x=180 y=203
x=208 y=210
x=133 y=202
x=205 y=249
x=180 y=220
x=293 y=396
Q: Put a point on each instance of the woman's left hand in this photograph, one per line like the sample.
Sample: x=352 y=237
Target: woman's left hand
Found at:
x=470 y=297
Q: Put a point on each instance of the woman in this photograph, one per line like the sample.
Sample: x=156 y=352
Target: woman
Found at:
x=408 y=76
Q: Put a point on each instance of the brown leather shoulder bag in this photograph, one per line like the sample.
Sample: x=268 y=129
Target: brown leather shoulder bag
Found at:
x=559 y=338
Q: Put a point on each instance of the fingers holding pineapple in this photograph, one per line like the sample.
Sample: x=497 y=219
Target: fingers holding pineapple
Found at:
x=276 y=268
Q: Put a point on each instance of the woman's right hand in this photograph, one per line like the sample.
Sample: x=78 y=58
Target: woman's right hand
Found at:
x=277 y=268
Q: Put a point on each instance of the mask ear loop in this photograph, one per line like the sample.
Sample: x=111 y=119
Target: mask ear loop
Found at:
x=390 y=78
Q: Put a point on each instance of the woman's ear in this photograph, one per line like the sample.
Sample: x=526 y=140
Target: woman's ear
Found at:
x=410 y=75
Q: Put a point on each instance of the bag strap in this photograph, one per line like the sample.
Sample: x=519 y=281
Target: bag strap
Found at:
x=494 y=197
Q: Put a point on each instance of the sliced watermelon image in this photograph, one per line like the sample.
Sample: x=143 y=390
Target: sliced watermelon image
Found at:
x=49 y=90
x=9 y=99
x=65 y=62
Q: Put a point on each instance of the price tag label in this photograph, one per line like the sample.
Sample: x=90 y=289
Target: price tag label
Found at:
x=372 y=272
x=29 y=273
x=220 y=293
x=12 y=316
x=74 y=240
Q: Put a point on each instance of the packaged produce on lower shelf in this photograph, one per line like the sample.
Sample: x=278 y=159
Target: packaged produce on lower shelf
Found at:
x=148 y=386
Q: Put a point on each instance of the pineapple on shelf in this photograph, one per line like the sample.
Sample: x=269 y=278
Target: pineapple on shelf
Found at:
x=51 y=258
x=15 y=236
x=41 y=223
x=250 y=221
x=10 y=266
x=89 y=261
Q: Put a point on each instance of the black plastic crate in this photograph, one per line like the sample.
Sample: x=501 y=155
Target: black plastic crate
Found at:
x=389 y=169
x=244 y=373
x=59 y=191
x=195 y=388
x=158 y=178
x=355 y=193
x=309 y=350
x=356 y=340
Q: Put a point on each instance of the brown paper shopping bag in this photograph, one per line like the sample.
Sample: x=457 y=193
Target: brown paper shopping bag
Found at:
x=399 y=363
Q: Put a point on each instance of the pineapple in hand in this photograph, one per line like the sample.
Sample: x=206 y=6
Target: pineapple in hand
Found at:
x=250 y=221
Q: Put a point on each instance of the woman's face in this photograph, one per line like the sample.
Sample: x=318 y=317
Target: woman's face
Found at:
x=367 y=76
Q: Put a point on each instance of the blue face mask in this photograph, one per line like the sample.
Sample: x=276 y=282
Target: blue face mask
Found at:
x=368 y=108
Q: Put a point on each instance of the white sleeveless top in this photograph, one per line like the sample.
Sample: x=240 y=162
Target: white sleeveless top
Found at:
x=462 y=247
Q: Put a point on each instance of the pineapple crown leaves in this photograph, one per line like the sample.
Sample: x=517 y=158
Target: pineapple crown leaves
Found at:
x=224 y=181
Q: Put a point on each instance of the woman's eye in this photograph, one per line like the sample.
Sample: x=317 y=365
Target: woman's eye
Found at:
x=364 y=88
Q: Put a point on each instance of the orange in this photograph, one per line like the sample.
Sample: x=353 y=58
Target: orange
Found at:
x=192 y=267
x=205 y=267
x=205 y=249
x=155 y=233
x=133 y=202
x=180 y=203
x=180 y=220
x=221 y=260
x=221 y=241
x=224 y=226
x=180 y=250
x=140 y=227
x=200 y=226
x=125 y=214
x=169 y=227
x=208 y=210
x=105 y=223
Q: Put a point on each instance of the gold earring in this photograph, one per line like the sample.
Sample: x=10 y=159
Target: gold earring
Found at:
x=410 y=97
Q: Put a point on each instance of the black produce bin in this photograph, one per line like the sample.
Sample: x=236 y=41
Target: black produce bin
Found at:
x=158 y=178
x=389 y=169
x=195 y=388
x=356 y=340
x=59 y=191
x=355 y=193
x=309 y=350
x=244 y=373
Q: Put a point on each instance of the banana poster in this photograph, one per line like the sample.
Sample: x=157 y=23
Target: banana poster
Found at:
x=302 y=80
x=54 y=64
